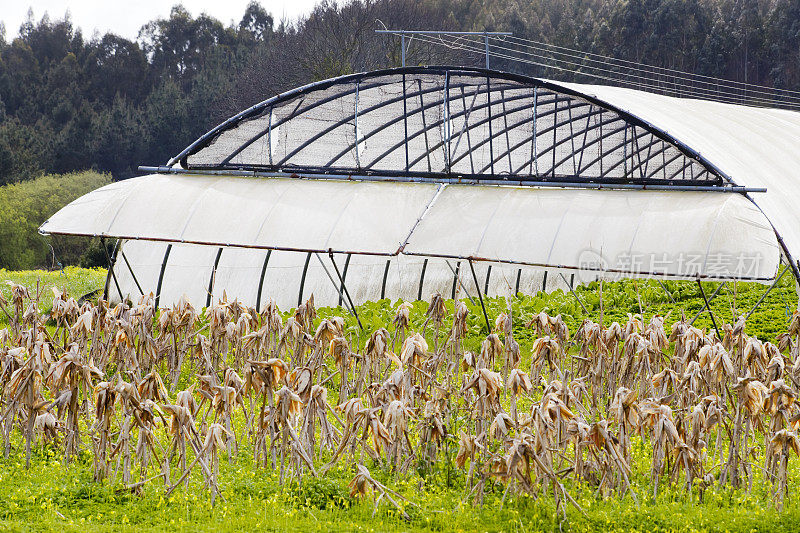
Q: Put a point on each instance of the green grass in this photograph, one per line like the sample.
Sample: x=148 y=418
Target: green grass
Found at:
x=77 y=282
x=51 y=496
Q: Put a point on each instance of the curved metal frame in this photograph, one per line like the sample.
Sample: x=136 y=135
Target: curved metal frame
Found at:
x=493 y=82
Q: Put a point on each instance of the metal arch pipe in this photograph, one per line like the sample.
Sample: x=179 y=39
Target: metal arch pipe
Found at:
x=303 y=281
x=385 y=275
x=261 y=280
x=161 y=274
x=443 y=70
x=213 y=276
x=422 y=278
x=440 y=122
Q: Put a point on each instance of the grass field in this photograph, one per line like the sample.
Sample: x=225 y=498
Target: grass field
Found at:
x=52 y=496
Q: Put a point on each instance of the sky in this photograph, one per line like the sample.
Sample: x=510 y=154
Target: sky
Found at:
x=126 y=17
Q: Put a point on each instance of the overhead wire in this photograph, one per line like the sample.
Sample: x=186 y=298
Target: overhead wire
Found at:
x=678 y=73
x=613 y=75
x=460 y=44
x=720 y=89
x=742 y=91
x=673 y=81
x=631 y=78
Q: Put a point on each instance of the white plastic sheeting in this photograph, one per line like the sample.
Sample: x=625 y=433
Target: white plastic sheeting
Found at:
x=292 y=214
x=517 y=230
x=755 y=147
x=671 y=233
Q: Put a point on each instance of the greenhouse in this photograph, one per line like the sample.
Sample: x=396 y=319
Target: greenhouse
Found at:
x=469 y=182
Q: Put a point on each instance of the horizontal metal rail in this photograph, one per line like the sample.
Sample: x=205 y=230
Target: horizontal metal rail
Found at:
x=496 y=181
x=444 y=32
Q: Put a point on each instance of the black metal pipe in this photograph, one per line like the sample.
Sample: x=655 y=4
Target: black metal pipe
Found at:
x=347 y=293
x=161 y=274
x=344 y=276
x=339 y=289
x=422 y=278
x=130 y=269
x=763 y=296
x=671 y=299
x=111 y=264
x=573 y=292
x=713 y=294
x=480 y=297
x=211 y=279
x=261 y=281
x=710 y=312
x=385 y=275
x=455 y=279
x=561 y=182
x=303 y=282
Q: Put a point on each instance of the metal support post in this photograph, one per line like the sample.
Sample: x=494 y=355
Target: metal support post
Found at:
x=110 y=270
x=480 y=297
x=573 y=293
x=713 y=294
x=347 y=293
x=130 y=269
x=486 y=43
x=339 y=288
x=458 y=279
x=713 y=320
x=766 y=293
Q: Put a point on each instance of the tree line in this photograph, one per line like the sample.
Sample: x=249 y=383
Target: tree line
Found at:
x=70 y=103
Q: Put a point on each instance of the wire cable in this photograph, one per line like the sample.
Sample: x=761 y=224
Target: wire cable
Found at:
x=645 y=81
x=634 y=80
x=721 y=81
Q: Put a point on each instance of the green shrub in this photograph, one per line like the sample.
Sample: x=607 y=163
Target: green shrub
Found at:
x=25 y=206
x=321 y=493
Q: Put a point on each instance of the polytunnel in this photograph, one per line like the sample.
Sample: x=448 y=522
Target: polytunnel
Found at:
x=469 y=182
